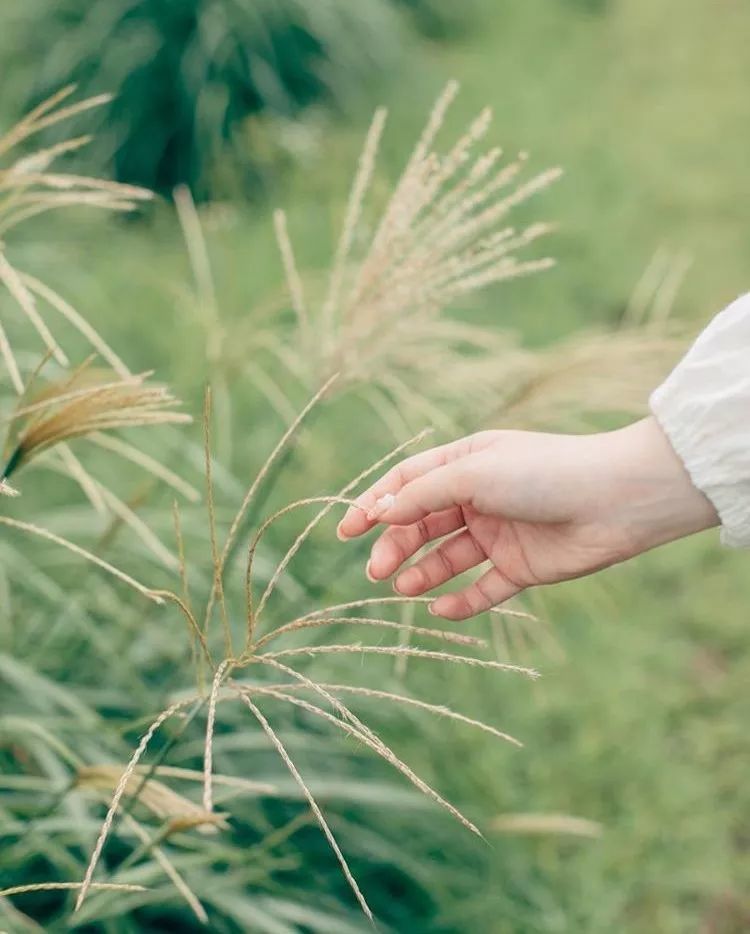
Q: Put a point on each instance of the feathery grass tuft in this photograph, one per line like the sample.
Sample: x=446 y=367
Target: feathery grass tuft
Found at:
x=86 y=404
x=265 y=625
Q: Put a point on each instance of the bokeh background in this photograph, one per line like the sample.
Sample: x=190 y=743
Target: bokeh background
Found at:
x=640 y=721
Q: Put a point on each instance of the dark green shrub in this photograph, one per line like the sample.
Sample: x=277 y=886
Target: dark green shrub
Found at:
x=186 y=73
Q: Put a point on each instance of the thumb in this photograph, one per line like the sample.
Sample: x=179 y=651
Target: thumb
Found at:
x=441 y=488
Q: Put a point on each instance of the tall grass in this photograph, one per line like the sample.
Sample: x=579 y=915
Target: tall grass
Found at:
x=435 y=240
x=84 y=403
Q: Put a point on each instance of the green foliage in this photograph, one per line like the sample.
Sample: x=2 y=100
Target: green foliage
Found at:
x=642 y=725
x=186 y=74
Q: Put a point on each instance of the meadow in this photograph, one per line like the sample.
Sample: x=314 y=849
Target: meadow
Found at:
x=627 y=809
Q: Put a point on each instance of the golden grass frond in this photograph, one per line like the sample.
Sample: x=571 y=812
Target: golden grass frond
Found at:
x=265 y=469
x=62 y=413
x=154 y=795
x=444 y=233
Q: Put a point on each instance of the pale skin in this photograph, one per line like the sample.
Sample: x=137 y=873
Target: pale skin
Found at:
x=526 y=508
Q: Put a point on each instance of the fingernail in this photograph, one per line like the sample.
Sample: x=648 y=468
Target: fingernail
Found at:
x=340 y=534
x=431 y=609
x=368 y=573
x=381 y=506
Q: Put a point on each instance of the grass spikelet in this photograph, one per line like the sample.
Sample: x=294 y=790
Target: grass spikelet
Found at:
x=355 y=727
x=221 y=672
x=65 y=886
x=357 y=194
x=82 y=553
x=224 y=687
x=439 y=709
x=294 y=283
x=279 y=746
x=331 y=649
x=301 y=538
x=432 y=244
x=254 y=487
x=121 y=790
x=457 y=638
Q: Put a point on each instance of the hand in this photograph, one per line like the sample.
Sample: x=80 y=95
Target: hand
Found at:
x=539 y=508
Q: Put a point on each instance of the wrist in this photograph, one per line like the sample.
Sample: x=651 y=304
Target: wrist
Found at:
x=654 y=495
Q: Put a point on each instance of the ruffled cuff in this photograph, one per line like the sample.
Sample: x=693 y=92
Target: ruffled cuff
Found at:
x=704 y=409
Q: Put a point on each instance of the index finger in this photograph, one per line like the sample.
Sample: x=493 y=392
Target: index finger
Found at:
x=355 y=521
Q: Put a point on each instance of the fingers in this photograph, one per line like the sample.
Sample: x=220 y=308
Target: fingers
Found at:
x=356 y=521
x=443 y=563
x=397 y=544
x=491 y=588
x=442 y=488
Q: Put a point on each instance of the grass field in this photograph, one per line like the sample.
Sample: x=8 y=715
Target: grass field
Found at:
x=640 y=720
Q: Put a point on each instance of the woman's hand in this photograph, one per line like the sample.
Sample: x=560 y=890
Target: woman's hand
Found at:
x=539 y=508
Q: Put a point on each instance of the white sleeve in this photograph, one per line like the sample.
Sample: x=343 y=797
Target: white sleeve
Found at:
x=704 y=409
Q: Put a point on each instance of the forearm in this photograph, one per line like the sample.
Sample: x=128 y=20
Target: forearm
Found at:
x=651 y=492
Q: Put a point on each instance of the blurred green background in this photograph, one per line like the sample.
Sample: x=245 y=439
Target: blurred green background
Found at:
x=640 y=720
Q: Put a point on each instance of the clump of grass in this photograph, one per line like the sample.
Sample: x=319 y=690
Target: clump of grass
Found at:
x=259 y=675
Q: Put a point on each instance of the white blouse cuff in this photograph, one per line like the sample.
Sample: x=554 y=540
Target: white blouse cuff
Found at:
x=704 y=409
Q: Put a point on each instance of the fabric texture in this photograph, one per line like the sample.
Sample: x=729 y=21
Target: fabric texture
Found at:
x=704 y=408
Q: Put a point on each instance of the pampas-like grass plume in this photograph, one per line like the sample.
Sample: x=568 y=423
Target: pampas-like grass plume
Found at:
x=85 y=405
x=281 y=675
x=388 y=317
